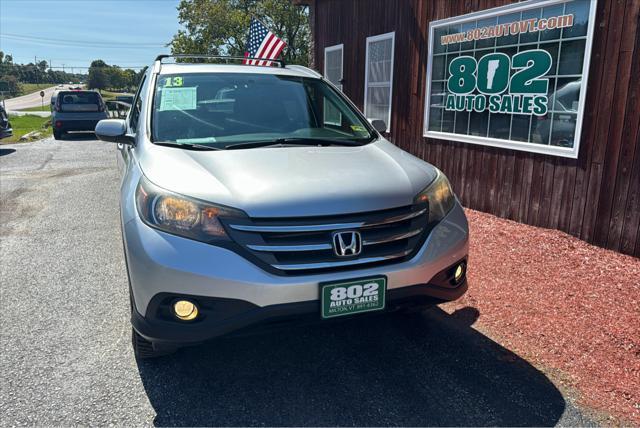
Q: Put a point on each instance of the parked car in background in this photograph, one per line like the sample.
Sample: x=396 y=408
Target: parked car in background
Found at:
x=5 y=125
x=76 y=111
x=127 y=98
x=241 y=206
x=117 y=109
x=564 y=105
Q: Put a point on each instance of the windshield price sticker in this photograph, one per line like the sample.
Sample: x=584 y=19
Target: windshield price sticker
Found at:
x=505 y=85
x=180 y=98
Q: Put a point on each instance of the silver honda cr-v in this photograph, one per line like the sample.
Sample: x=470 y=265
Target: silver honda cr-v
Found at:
x=253 y=196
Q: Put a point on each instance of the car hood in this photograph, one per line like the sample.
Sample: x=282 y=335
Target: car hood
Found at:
x=292 y=181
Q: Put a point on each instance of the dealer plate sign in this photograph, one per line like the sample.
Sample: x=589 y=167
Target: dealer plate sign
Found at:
x=354 y=296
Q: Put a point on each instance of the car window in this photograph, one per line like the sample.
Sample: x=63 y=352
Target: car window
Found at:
x=79 y=98
x=567 y=96
x=224 y=108
x=136 y=107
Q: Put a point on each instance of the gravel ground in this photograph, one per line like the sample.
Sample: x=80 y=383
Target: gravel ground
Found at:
x=568 y=307
x=65 y=356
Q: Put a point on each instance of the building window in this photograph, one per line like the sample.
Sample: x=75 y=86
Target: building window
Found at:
x=513 y=76
x=379 y=78
x=333 y=58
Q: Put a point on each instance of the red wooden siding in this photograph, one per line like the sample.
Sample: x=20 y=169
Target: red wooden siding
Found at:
x=595 y=197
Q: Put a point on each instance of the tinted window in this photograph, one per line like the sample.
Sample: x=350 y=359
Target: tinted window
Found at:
x=79 y=97
x=134 y=113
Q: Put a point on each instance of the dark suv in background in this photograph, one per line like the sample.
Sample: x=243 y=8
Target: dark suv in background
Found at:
x=77 y=111
x=5 y=125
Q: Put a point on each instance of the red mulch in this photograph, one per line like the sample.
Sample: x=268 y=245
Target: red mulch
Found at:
x=568 y=307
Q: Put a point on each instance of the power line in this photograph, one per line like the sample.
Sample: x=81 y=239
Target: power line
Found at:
x=106 y=43
x=105 y=59
x=83 y=44
x=133 y=67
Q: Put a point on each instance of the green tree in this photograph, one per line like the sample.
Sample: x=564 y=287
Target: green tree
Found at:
x=116 y=77
x=98 y=78
x=98 y=63
x=221 y=27
x=130 y=80
x=10 y=84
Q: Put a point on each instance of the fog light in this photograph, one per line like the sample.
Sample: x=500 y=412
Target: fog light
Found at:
x=459 y=273
x=185 y=310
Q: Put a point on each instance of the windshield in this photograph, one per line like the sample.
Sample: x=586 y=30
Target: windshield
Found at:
x=222 y=109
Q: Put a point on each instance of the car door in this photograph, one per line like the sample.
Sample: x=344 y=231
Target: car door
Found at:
x=133 y=118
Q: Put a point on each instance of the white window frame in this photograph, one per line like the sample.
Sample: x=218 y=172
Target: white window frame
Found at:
x=338 y=85
x=331 y=49
x=510 y=144
x=377 y=38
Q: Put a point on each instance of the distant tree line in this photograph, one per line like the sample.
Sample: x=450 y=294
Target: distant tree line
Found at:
x=112 y=77
x=13 y=74
x=100 y=76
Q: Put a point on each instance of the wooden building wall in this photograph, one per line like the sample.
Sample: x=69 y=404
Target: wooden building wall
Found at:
x=595 y=197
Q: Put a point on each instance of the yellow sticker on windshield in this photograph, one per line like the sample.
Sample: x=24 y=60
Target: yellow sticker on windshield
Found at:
x=358 y=128
x=170 y=82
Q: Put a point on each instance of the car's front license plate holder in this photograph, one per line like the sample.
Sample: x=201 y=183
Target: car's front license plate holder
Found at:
x=353 y=296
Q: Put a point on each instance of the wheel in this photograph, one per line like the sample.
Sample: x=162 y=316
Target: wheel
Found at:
x=143 y=349
x=57 y=134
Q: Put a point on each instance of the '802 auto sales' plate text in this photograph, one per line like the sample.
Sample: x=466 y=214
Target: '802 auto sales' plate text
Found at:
x=354 y=296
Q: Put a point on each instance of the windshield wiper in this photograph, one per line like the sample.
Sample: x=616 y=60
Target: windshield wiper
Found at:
x=283 y=142
x=188 y=146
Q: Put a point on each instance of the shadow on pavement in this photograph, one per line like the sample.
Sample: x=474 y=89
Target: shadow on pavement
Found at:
x=4 y=152
x=426 y=369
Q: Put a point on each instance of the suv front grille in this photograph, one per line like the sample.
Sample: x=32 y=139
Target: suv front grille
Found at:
x=303 y=244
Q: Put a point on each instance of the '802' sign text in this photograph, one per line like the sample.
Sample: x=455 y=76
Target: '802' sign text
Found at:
x=499 y=83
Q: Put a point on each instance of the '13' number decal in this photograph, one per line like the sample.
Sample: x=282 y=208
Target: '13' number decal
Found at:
x=173 y=81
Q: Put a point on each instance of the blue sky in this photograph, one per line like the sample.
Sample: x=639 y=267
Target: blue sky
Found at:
x=74 y=32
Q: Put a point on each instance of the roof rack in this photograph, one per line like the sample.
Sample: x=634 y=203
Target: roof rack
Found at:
x=280 y=62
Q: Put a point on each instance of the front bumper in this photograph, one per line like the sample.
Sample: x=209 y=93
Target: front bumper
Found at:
x=161 y=264
x=225 y=316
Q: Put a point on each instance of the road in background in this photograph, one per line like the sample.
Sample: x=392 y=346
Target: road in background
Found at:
x=30 y=100
x=66 y=359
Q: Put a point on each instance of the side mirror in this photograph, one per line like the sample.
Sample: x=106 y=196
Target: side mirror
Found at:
x=378 y=125
x=113 y=131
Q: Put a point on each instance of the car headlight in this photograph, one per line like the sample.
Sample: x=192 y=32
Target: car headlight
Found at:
x=181 y=215
x=439 y=196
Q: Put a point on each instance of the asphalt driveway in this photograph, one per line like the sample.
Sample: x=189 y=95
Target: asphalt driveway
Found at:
x=65 y=355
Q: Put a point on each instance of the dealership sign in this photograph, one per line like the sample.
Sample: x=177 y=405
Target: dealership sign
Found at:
x=524 y=91
x=512 y=77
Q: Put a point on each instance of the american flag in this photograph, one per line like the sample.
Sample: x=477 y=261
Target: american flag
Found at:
x=262 y=44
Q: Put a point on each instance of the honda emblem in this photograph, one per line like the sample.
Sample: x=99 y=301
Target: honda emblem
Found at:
x=347 y=244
